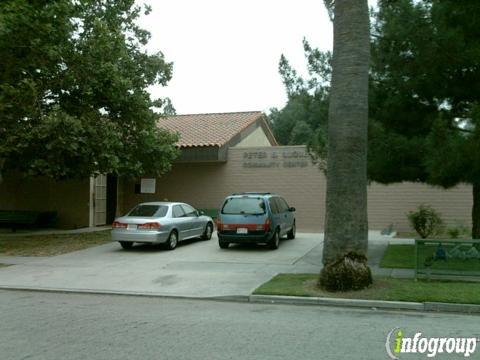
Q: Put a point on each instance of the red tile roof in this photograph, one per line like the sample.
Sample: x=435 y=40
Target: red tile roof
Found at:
x=208 y=129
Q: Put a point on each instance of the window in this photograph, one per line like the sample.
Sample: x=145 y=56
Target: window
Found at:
x=282 y=204
x=189 y=211
x=244 y=205
x=178 y=211
x=149 y=211
x=273 y=205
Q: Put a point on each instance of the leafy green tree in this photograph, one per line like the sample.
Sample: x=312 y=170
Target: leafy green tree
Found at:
x=73 y=90
x=306 y=111
x=426 y=76
x=424 y=96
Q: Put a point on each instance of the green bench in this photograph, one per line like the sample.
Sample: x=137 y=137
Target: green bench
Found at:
x=25 y=218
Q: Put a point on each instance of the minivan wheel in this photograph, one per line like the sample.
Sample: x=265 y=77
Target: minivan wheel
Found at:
x=274 y=242
x=291 y=233
x=207 y=235
x=127 y=245
x=172 y=240
x=223 y=244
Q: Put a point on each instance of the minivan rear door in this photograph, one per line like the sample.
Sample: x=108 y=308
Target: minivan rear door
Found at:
x=243 y=214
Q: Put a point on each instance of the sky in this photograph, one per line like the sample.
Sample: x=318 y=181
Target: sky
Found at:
x=225 y=53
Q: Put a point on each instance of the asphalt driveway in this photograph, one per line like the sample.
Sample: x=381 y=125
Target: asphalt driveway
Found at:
x=194 y=269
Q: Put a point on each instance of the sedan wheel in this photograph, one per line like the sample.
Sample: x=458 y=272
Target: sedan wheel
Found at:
x=172 y=241
x=207 y=235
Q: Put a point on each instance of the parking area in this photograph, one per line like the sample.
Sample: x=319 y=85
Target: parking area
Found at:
x=194 y=269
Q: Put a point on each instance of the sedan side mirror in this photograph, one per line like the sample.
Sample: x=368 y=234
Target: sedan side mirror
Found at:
x=199 y=213
x=292 y=209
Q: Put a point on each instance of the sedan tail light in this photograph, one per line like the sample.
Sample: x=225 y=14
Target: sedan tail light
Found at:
x=149 y=226
x=119 y=225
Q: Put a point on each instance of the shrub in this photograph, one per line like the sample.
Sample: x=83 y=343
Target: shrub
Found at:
x=426 y=221
x=453 y=233
x=349 y=272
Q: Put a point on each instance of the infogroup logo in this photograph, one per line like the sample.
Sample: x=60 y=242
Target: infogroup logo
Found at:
x=397 y=343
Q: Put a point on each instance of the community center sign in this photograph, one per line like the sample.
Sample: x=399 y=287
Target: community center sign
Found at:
x=287 y=158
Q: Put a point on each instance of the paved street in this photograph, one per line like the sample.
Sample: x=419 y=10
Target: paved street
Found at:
x=48 y=326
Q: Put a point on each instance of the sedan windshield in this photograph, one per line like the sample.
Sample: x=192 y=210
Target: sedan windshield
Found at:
x=149 y=211
x=244 y=205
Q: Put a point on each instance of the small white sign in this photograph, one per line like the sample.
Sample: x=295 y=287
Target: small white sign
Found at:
x=147 y=186
x=242 y=231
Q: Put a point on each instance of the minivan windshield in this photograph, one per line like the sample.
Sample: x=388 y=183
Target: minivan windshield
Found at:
x=149 y=211
x=244 y=205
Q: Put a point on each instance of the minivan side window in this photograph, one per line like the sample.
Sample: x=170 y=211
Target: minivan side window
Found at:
x=283 y=205
x=177 y=211
x=273 y=205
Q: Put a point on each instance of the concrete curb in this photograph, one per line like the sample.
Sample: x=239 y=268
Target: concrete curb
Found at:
x=233 y=298
x=275 y=299
x=373 y=304
x=376 y=304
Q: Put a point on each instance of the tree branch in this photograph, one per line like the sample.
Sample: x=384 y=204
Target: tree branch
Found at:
x=330 y=5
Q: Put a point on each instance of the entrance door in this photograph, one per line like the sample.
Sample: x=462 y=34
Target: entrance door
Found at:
x=100 y=196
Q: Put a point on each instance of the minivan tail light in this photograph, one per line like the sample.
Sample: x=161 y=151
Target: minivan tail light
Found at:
x=219 y=225
x=149 y=226
x=266 y=225
x=119 y=225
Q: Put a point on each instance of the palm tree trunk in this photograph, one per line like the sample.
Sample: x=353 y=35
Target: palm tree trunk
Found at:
x=346 y=223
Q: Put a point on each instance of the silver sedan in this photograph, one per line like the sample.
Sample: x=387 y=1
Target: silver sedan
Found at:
x=161 y=222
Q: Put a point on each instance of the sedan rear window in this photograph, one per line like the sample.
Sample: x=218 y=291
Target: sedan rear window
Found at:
x=149 y=211
x=244 y=205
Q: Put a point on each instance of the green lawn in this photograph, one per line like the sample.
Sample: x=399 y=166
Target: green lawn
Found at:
x=382 y=289
x=403 y=257
x=399 y=256
x=49 y=245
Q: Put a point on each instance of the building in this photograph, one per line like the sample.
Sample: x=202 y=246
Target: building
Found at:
x=222 y=154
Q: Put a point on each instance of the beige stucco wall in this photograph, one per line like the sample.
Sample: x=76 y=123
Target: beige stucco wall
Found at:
x=288 y=171
x=69 y=198
x=256 y=139
x=388 y=204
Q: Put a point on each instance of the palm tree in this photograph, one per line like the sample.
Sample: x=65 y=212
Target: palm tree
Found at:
x=346 y=223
